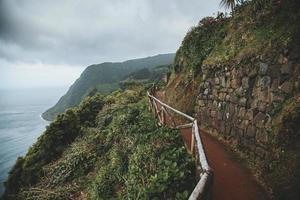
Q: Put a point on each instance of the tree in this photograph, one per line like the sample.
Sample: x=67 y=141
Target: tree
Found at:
x=230 y=3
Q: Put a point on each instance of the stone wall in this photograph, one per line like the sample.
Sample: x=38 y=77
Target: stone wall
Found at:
x=239 y=102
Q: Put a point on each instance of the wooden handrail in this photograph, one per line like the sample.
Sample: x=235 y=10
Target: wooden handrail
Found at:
x=170 y=108
x=204 y=186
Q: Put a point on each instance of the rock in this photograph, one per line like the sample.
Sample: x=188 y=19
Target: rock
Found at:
x=245 y=82
x=240 y=91
x=227 y=98
x=223 y=81
x=243 y=101
x=234 y=83
x=241 y=113
x=250 y=133
x=210 y=96
x=264 y=95
x=215 y=92
x=249 y=115
x=262 y=106
x=233 y=98
x=217 y=81
x=253 y=73
x=254 y=103
x=244 y=124
x=222 y=96
x=265 y=82
x=286 y=69
x=280 y=59
x=231 y=109
x=213 y=114
x=260 y=152
x=215 y=104
x=287 y=87
x=277 y=97
x=263 y=68
x=206 y=91
x=227 y=129
x=275 y=85
x=274 y=71
x=207 y=84
x=259 y=119
x=201 y=103
x=219 y=115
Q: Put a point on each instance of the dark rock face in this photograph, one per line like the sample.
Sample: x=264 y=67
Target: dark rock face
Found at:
x=241 y=101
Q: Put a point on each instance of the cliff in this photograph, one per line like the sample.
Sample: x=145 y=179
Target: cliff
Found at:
x=240 y=76
x=103 y=78
x=109 y=147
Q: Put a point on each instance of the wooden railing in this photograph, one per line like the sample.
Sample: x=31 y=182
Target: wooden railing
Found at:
x=162 y=111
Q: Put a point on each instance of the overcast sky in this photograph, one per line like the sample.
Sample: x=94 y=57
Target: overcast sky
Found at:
x=47 y=43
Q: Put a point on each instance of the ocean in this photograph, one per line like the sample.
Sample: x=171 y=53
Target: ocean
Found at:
x=21 y=123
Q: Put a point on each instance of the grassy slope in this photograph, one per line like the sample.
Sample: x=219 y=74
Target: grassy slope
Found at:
x=108 y=148
x=103 y=77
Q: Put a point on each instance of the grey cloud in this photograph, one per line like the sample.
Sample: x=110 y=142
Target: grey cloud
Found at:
x=77 y=32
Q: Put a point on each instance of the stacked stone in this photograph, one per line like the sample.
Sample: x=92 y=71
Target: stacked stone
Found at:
x=238 y=102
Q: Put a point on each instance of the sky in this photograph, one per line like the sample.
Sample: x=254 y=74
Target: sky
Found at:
x=48 y=43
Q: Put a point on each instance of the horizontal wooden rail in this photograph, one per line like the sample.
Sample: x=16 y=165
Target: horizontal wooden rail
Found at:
x=204 y=186
x=170 y=108
x=189 y=125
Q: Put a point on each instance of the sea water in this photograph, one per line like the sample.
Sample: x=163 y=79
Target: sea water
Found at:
x=21 y=123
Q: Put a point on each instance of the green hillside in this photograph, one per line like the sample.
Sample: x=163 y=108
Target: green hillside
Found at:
x=103 y=78
x=110 y=147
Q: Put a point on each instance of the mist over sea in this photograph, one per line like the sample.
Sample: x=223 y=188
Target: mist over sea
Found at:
x=21 y=124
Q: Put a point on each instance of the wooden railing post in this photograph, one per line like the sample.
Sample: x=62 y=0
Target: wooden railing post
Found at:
x=150 y=107
x=163 y=119
x=193 y=139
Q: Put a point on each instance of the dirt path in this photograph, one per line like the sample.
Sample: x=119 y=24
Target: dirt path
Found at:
x=232 y=180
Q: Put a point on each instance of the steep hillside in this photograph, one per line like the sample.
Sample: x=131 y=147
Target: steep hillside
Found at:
x=103 y=78
x=240 y=77
x=108 y=148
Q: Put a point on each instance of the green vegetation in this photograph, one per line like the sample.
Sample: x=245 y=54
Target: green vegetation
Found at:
x=148 y=75
x=254 y=29
x=198 y=43
x=285 y=173
x=110 y=147
x=104 y=78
